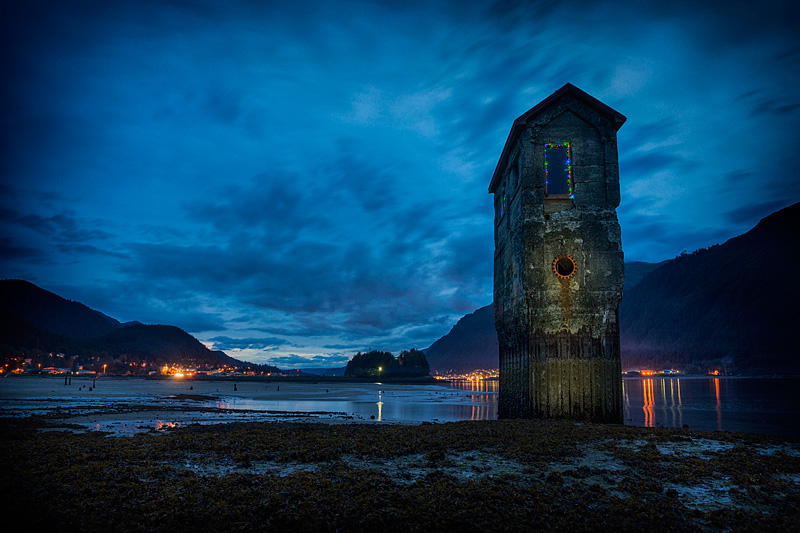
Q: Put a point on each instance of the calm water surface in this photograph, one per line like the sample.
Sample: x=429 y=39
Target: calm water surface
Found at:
x=756 y=405
x=753 y=405
x=384 y=402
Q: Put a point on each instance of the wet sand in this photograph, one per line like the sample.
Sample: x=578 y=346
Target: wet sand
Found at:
x=126 y=406
x=65 y=470
x=516 y=475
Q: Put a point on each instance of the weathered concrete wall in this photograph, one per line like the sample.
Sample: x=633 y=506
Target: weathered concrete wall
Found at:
x=559 y=337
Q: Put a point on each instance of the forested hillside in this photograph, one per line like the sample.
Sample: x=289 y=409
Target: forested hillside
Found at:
x=37 y=323
x=732 y=307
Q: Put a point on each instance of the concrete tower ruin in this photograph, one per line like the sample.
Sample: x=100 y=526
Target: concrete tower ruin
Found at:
x=558 y=263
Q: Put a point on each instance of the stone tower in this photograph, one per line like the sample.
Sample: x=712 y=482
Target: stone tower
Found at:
x=558 y=265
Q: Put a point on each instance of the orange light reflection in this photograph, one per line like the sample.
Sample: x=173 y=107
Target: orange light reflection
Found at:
x=649 y=403
x=718 y=408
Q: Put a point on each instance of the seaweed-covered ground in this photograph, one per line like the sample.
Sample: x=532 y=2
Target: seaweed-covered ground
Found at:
x=467 y=476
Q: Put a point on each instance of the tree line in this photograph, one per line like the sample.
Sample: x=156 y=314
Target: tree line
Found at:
x=378 y=364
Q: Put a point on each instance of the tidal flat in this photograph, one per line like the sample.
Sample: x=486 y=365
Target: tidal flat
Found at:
x=492 y=475
x=126 y=406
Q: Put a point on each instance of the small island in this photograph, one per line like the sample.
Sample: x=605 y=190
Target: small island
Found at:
x=379 y=365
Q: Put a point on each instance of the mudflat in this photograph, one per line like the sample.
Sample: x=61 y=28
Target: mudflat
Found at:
x=512 y=475
x=126 y=406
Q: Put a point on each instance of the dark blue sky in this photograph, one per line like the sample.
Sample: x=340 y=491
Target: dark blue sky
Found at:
x=295 y=181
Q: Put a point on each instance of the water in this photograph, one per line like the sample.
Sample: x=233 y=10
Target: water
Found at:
x=127 y=406
x=752 y=405
x=381 y=402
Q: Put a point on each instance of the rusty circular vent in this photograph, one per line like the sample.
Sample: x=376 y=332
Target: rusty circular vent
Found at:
x=564 y=266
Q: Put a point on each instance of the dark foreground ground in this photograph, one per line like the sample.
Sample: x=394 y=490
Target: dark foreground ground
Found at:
x=462 y=476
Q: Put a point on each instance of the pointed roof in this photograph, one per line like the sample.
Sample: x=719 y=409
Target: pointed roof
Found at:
x=616 y=119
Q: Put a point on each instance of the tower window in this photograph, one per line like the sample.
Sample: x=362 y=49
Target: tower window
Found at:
x=558 y=170
x=502 y=201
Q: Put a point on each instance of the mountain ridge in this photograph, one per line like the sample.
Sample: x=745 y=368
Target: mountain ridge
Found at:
x=52 y=312
x=34 y=320
x=732 y=303
x=730 y=307
x=472 y=342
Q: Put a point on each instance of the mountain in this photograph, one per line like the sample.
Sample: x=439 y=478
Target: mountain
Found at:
x=733 y=306
x=167 y=343
x=52 y=312
x=471 y=344
x=17 y=333
x=635 y=271
x=33 y=320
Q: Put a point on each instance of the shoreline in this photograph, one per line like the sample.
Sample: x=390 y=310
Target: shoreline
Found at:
x=128 y=406
x=430 y=380
x=468 y=476
x=731 y=403
x=266 y=379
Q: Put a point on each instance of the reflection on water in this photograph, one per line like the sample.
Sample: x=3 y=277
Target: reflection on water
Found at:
x=670 y=401
x=484 y=401
x=717 y=408
x=444 y=402
x=649 y=403
x=760 y=405
x=484 y=385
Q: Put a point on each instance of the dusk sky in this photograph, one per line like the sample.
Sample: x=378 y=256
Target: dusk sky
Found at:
x=292 y=182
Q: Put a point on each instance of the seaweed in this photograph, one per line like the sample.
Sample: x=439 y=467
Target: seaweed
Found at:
x=507 y=475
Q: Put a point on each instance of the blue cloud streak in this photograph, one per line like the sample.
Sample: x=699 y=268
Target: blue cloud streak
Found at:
x=316 y=172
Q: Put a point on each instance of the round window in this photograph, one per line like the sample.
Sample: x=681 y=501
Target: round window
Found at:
x=564 y=266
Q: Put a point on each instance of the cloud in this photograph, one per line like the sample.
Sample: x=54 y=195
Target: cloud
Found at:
x=223 y=342
x=190 y=321
x=317 y=172
x=62 y=227
x=84 y=250
x=635 y=133
x=147 y=301
x=763 y=103
x=351 y=291
x=11 y=251
x=312 y=267
x=308 y=329
x=656 y=237
x=301 y=361
x=223 y=105
x=270 y=205
x=751 y=214
x=639 y=166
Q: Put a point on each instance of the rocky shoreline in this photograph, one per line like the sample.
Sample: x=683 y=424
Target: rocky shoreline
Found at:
x=516 y=475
